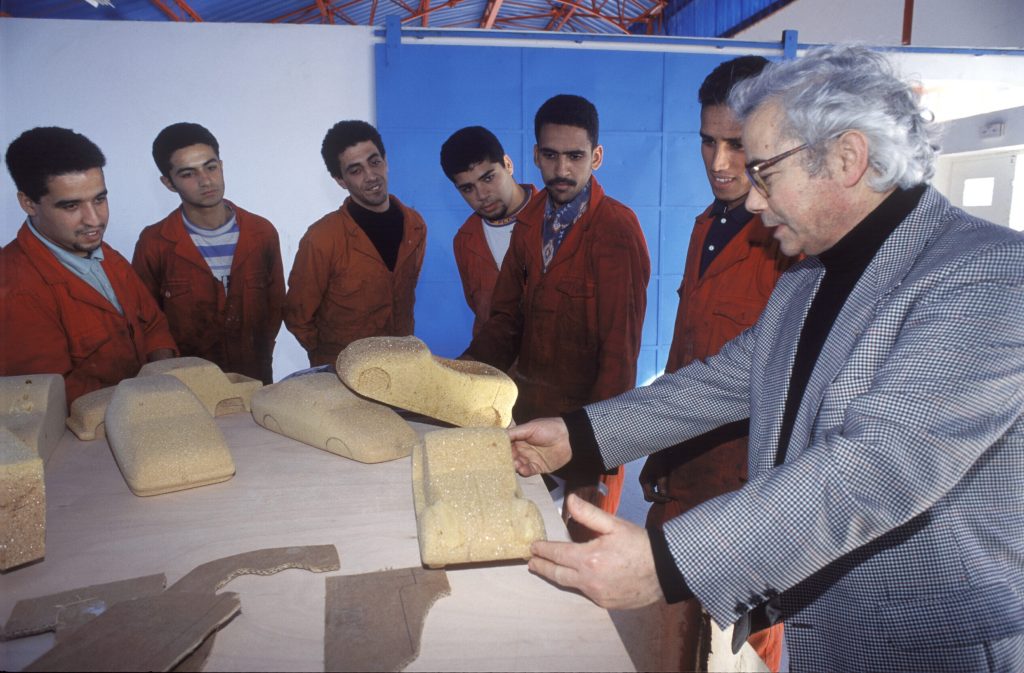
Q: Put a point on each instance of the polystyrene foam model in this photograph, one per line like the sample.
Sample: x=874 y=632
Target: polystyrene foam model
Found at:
x=87 y=412
x=22 y=501
x=34 y=408
x=163 y=437
x=220 y=393
x=402 y=372
x=468 y=503
x=319 y=410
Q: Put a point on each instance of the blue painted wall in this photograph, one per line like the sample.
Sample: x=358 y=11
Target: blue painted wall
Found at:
x=647 y=103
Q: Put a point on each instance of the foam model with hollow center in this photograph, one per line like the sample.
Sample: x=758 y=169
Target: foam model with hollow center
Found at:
x=317 y=409
x=220 y=393
x=32 y=412
x=163 y=437
x=402 y=372
x=34 y=408
x=469 y=506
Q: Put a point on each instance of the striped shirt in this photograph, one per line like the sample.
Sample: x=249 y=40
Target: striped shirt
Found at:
x=217 y=246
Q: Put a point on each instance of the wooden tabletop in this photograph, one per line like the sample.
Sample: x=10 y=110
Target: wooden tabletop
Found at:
x=284 y=493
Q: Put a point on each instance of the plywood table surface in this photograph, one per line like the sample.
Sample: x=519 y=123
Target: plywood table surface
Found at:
x=498 y=616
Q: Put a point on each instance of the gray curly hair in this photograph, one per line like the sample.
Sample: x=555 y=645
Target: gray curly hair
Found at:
x=833 y=89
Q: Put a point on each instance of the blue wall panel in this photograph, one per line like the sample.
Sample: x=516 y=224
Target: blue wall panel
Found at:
x=649 y=113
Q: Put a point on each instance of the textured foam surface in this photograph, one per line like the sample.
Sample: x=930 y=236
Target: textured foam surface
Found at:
x=220 y=393
x=163 y=437
x=22 y=502
x=468 y=503
x=402 y=372
x=34 y=408
x=87 y=412
x=319 y=410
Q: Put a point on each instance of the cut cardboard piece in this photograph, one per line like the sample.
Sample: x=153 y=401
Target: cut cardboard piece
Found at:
x=211 y=577
x=87 y=412
x=401 y=371
x=163 y=438
x=469 y=506
x=220 y=393
x=67 y=609
x=22 y=502
x=143 y=634
x=374 y=621
x=317 y=409
x=33 y=408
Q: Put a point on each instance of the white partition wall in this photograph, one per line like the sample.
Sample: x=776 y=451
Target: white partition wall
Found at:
x=267 y=92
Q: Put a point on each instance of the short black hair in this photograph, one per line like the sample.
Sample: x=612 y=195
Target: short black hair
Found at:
x=177 y=136
x=716 y=86
x=47 y=151
x=344 y=135
x=467 y=147
x=568 y=110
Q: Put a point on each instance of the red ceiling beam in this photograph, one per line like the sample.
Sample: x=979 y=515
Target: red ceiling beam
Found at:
x=188 y=10
x=326 y=16
x=491 y=13
x=166 y=10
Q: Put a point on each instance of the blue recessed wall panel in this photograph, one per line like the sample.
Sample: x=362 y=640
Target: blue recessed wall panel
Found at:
x=647 y=103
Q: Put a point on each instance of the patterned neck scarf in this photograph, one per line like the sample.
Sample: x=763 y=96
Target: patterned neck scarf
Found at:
x=558 y=221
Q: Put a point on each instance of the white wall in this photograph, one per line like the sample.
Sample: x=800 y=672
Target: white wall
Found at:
x=268 y=92
x=936 y=23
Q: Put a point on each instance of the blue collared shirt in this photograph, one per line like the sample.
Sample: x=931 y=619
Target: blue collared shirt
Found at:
x=88 y=268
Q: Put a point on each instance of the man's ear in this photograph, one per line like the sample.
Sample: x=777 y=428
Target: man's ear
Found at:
x=509 y=166
x=851 y=153
x=168 y=184
x=536 y=156
x=597 y=158
x=27 y=204
x=341 y=182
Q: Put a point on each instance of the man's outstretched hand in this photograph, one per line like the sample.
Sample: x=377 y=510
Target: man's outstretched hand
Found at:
x=540 y=446
x=615 y=570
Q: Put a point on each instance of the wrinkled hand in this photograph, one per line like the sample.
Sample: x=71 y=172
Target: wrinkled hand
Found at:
x=615 y=570
x=540 y=446
x=654 y=479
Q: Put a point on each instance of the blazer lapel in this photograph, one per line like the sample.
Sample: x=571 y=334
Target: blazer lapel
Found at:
x=881 y=277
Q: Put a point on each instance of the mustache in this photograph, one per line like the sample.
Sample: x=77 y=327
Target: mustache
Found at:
x=560 y=181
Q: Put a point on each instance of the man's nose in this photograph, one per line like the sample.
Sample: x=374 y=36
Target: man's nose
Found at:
x=91 y=215
x=720 y=161
x=756 y=202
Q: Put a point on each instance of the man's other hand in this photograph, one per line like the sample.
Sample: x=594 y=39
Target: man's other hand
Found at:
x=615 y=570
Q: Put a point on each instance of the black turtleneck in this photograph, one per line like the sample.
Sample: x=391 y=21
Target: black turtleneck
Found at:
x=844 y=264
x=385 y=230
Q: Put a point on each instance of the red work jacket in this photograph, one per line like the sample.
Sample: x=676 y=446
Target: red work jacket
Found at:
x=477 y=267
x=340 y=289
x=234 y=328
x=53 y=322
x=713 y=309
x=576 y=328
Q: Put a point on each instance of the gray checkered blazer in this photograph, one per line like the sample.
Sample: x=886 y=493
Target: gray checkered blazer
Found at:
x=892 y=538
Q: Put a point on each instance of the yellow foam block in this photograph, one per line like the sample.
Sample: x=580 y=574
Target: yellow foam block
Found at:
x=220 y=393
x=22 y=502
x=402 y=372
x=319 y=410
x=163 y=437
x=469 y=506
x=34 y=408
x=87 y=412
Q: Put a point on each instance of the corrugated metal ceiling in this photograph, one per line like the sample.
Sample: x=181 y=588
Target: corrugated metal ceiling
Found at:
x=698 y=18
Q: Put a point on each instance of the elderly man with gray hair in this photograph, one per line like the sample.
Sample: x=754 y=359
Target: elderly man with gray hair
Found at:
x=884 y=517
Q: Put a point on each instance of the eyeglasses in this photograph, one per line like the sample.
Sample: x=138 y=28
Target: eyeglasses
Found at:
x=755 y=168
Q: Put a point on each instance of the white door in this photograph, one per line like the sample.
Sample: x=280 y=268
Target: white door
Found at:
x=983 y=185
